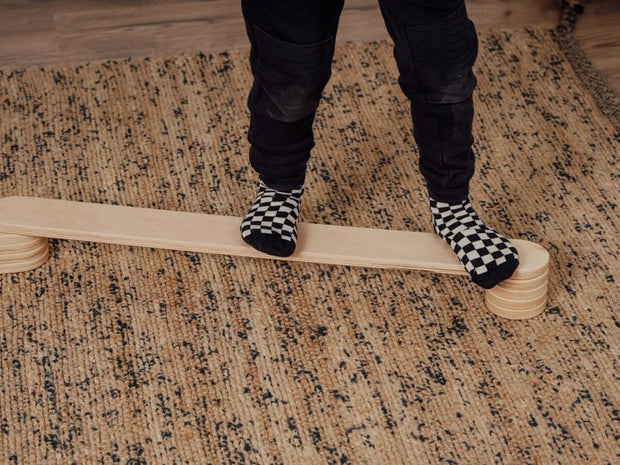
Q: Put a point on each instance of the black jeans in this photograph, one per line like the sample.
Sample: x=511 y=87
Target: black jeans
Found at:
x=435 y=47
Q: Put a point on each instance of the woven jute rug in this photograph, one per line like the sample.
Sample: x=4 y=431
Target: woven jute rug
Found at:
x=112 y=354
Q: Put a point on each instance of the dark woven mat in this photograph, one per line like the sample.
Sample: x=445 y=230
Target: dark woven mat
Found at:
x=113 y=354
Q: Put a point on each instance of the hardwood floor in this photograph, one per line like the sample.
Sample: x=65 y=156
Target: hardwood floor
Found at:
x=38 y=32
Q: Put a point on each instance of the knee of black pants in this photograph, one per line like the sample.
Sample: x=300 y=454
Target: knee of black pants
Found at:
x=442 y=55
x=288 y=78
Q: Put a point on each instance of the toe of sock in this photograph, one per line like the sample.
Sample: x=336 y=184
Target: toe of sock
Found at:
x=496 y=275
x=270 y=244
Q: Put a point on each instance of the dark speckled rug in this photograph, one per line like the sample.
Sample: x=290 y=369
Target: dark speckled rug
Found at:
x=113 y=354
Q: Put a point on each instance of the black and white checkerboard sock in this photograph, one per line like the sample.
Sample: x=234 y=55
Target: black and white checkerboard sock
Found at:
x=270 y=225
x=488 y=257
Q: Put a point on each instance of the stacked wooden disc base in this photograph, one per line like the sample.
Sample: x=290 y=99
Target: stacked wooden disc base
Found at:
x=524 y=295
x=22 y=253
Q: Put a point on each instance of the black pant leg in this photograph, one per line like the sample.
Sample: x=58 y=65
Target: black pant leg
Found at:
x=292 y=46
x=435 y=46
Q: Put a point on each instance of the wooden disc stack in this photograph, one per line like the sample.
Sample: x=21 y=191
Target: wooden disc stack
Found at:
x=22 y=253
x=524 y=295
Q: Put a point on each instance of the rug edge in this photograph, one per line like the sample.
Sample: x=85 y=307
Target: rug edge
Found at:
x=599 y=88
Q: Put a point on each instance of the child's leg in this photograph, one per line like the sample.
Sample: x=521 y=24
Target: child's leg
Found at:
x=435 y=46
x=292 y=49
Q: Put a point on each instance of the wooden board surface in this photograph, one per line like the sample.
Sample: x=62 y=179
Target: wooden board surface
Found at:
x=197 y=232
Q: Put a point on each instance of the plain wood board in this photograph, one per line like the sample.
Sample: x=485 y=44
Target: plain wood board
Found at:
x=197 y=232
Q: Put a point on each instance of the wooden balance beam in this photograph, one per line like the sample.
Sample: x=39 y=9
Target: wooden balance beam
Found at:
x=27 y=222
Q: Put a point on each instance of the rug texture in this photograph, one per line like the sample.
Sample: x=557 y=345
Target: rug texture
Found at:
x=112 y=354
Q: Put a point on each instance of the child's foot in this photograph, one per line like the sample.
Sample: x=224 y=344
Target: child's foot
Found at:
x=270 y=225
x=488 y=257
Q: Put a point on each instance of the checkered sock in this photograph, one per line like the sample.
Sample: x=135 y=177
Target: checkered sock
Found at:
x=270 y=225
x=488 y=257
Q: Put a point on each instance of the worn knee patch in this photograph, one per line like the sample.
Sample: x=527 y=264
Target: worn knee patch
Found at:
x=444 y=52
x=289 y=78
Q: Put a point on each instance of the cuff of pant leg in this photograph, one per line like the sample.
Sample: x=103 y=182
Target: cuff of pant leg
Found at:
x=449 y=195
x=286 y=185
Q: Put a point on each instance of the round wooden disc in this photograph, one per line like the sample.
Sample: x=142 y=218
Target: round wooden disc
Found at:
x=13 y=248
x=519 y=294
x=516 y=314
x=524 y=284
x=14 y=261
x=516 y=305
x=24 y=265
x=14 y=241
x=26 y=252
x=533 y=260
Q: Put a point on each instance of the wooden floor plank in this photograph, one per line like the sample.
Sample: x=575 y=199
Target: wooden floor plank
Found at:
x=36 y=33
x=598 y=33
